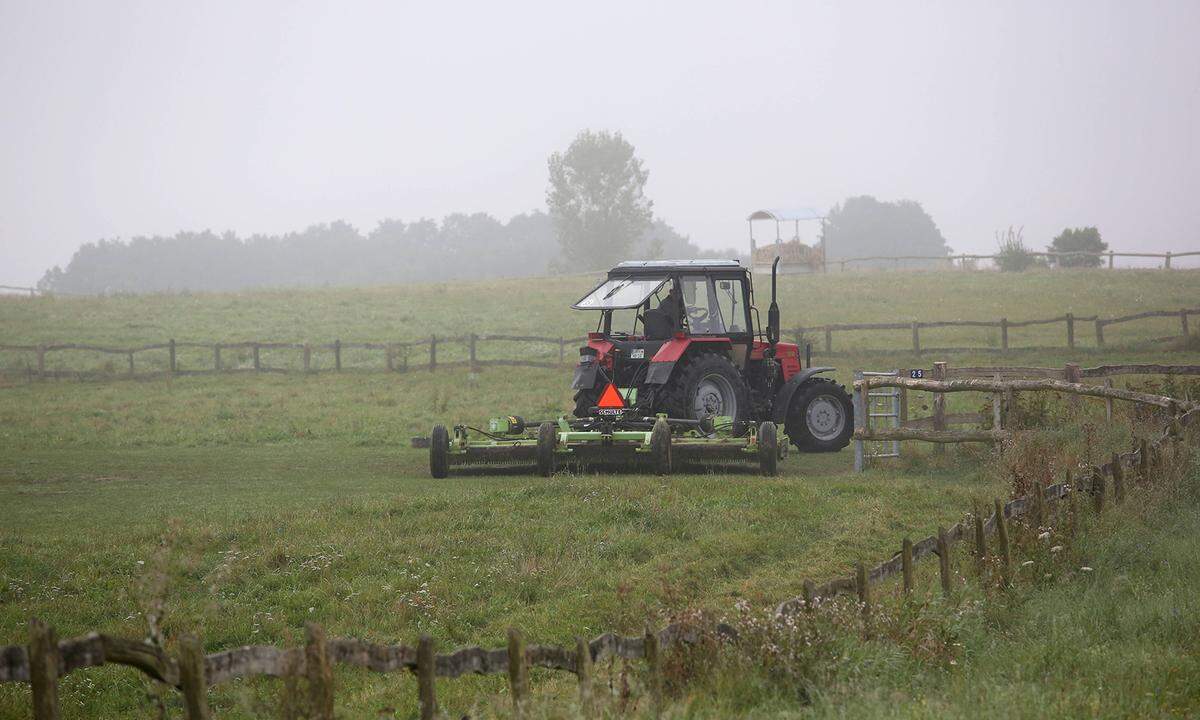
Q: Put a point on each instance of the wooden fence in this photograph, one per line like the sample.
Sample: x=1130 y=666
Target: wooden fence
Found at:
x=551 y=351
x=396 y=356
x=307 y=671
x=1069 y=321
x=1002 y=383
x=963 y=259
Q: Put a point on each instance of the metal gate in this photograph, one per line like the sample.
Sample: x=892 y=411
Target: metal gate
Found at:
x=880 y=408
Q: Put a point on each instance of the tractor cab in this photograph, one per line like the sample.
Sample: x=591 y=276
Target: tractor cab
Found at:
x=645 y=305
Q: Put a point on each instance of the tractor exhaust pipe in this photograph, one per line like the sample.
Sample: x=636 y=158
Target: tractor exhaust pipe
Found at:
x=773 y=312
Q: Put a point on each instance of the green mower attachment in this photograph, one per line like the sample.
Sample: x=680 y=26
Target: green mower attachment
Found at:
x=611 y=437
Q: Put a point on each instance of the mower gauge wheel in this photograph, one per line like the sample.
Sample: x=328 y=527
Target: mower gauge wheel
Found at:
x=660 y=447
x=768 y=449
x=439 y=448
x=546 y=442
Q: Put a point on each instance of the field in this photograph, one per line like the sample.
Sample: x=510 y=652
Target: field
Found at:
x=243 y=505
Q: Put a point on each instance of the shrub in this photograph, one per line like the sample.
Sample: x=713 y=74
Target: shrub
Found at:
x=1085 y=240
x=1013 y=255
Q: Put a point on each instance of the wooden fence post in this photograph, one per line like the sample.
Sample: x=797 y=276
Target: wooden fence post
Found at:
x=216 y=357
x=583 y=670
x=1110 y=259
x=1183 y=323
x=996 y=403
x=1071 y=330
x=1118 y=473
x=906 y=565
x=257 y=361
x=432 y=352
x=337 y=355
x=320 y=675
x=828 y=340
x=1108 y=402
x=939 y=404
x=1002 y=534
x=191 y=678
x=943 y=548
x=43 y=670
x=426 y=667
x=980 y=540
x=1099 y=332
x=471 y=350
x=654 y=670
x=1144 y=459
x=562 y=351
x=171 y=363
x=916 y=338
x=862 y=583
x=1039 y=504
x=518 y=672
x=307 y=357
x=131 y=364
x=1098 y=489
x=1072 y=374
x=1004 y=333
x=1167 y=261
x=390 y=357
x=41 y=362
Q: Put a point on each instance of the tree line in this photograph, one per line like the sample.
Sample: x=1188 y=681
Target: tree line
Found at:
x=598 y=214
x=460 y=247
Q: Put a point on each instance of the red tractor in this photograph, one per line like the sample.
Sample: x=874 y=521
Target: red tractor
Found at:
x=684 y=338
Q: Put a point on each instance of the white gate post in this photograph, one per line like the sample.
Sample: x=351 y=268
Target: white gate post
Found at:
x=860 y=417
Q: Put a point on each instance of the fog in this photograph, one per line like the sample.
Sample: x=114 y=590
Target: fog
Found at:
x=123 y=119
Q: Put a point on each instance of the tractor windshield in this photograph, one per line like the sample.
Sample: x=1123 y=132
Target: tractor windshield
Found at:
x=620 y=293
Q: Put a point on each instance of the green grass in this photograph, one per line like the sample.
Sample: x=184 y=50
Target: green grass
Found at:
x=541 y=307
x=1108 y=628
x=270 y=500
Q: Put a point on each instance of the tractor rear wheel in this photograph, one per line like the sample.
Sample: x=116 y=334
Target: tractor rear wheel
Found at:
x=547 y=440
x=439 y=450
x=768 y=449
x=820 y=417
x=704 y=386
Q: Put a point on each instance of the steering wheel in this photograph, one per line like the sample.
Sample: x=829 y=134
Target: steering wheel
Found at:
x=697 y=316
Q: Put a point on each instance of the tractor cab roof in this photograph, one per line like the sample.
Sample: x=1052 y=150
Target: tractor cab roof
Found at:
x=650 y=267
x=632 y=282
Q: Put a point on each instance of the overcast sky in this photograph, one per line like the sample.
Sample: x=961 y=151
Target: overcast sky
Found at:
x=120 y=119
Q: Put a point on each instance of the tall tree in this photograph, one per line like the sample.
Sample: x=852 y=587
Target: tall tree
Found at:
x=863 y=226
x=1084 y=239
x=596 y=200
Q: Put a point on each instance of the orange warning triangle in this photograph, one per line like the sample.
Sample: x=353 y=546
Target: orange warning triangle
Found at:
x=610 y=398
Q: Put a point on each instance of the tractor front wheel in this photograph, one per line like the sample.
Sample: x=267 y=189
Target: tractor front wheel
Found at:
x=585 y=400
x=820 y=417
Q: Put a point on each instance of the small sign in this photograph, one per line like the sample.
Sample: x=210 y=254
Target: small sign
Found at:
x=611 y=399
x=916 y=374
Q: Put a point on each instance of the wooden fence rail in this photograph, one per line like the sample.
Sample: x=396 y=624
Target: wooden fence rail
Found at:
x=45 y=660
x=1069 y=320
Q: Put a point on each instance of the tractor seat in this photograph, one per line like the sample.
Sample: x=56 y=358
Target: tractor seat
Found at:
x=658 y=325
